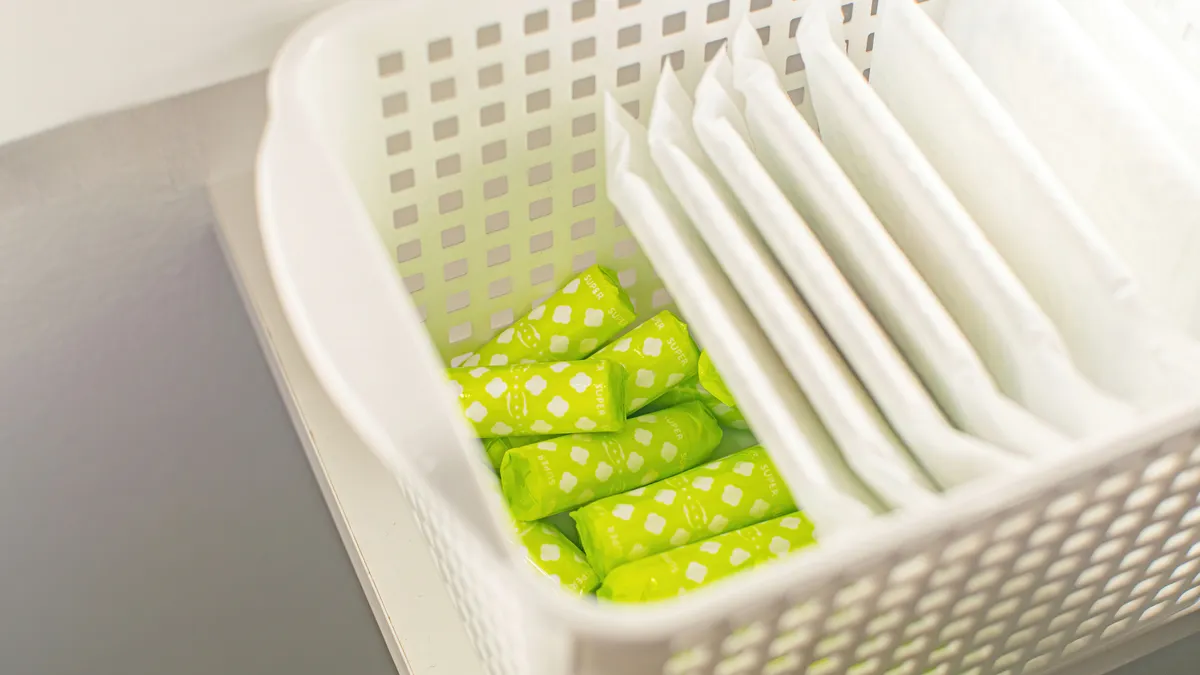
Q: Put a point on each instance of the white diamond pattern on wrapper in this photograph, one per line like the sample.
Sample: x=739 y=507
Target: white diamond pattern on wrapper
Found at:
x=1008 y=590
x=645 y=379
x=536 y=385
x=580 y=382
x=580 y=455
x=603 y=471
x=567 y=482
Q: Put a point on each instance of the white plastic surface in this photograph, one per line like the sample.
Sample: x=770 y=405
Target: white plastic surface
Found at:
x=420 y=425
x=1029 y=216
x=1139 y=186
x=1176 y=24
x=505 y=201
x=949 y=455
x=1144 y=63
x=1008 y=331
x=775 y=408
x=874 y=450
x=858 y=432
x=714 y=215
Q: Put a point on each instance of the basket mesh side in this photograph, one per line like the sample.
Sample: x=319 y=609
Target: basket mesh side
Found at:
x=493 y=615
x=1108 y=553
x=494 y=175
x=493 y=169
x=492 y=154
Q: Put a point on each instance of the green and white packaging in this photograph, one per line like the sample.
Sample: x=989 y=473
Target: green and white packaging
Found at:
x=552 y=554
x=562 y=473
x=680 y=570
x=496 y=446
x=739 y=490
x=691 y=390
x=542 y=398
x=657 y=355
x=711 y=380
x=578 y=319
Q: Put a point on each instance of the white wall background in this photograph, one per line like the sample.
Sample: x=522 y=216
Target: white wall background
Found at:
x=62 y=60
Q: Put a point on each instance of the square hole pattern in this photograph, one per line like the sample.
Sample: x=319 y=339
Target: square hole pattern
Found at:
x=492 y=168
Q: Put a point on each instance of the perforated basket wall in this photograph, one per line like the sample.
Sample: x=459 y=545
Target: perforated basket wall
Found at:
x=1092 y=559
x=494 y=155
x=472 y=133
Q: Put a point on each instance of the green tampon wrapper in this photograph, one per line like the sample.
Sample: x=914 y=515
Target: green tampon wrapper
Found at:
x=552 y=554
x=542 y=398
x=711 y=380
x=678 y=571
x=739 y=490
x=558 y=474
x=496 y=447
x=657 y=355
x=691 y=390
x=578 y=319
x=684 y=392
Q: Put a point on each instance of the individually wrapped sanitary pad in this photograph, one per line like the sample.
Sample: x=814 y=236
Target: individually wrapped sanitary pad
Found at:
x=657 y=355
x=862 y=434
x=1146 y=64
x=552 y=554
x=555 y=475
x=761 y=285
x=1174 y=23
x=542 y=398
x=777 y=166
x=739 y=490
x=582 y=316
x=1015 y=200
x=1118 y=160
x=687 y=568
x=1010 y=333
x=875 y=266
x=778 y=412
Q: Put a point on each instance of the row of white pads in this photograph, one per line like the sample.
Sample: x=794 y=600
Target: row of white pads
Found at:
x=999 y=238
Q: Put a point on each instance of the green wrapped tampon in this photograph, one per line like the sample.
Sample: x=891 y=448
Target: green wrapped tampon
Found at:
x=496 y=446
x=739 y=490
x=657 y=355
x=577 y=320
x=552 y=554
x=542 y=398
x=558 y=474
x=711 y=380
x=691 y=390
x=680 y=570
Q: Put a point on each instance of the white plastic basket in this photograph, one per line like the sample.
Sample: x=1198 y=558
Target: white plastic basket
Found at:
x=465 y=137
